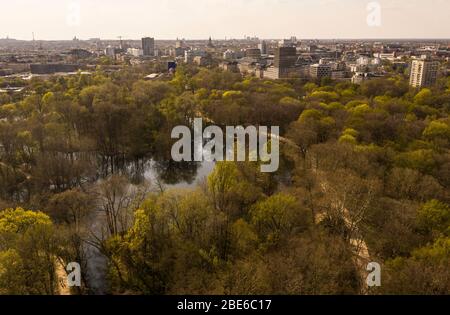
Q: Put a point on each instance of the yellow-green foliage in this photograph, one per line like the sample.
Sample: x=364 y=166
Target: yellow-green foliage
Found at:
x=20 y=220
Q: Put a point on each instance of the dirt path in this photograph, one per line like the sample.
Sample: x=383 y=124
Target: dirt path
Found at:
x=61 y=275
x=359 y=246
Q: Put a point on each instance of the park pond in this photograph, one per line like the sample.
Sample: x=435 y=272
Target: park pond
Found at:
x=159 y=175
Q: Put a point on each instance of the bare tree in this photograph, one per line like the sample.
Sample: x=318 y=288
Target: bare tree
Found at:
x=117 y=200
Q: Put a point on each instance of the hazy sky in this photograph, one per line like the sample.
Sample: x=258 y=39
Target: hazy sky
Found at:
x=168 y=19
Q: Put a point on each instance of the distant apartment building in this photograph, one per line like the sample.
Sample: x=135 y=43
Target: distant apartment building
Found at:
x=285 y=57
x=364 y=61
x=148 y=46
x=135 y=52
x=320 y=71
x=254 y=53
x=423 y=72
x=284 y=64
x=263 y=47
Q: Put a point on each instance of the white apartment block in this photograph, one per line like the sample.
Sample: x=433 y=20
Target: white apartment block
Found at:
x=423 y=72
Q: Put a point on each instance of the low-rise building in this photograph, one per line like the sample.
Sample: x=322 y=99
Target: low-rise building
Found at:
x=51 y=68
x=135 y=52
x=319 y=71
x=231 y=66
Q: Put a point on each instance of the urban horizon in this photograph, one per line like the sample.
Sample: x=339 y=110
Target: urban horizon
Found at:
x=7 y=37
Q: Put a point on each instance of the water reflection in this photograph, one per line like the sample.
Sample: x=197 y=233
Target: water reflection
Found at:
x=178 y=174
x=166 y=172
x=169 y=175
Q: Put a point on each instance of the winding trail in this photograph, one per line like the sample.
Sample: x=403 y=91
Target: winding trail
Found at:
x=61 y=276
x=359 y=246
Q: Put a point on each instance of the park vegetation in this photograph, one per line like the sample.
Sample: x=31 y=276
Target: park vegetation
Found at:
x=368 y=163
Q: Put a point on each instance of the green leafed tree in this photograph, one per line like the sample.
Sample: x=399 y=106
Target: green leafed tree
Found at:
x=27 y=246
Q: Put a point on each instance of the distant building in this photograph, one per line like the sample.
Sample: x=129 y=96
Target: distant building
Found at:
x=80 y=53
x=171 y=66
x=229 y=55
x=202 y=61
x=110 y=52
x=177 y=51
x=338 y=74
x=4 y=72
x=254 y=53
x=179 y=44
x=51 y=68
x=263 y=47
x=275 y=73
x=189 y=55
x=361 y=77
x=247 y=65
x=423 y=72
x=386 y=56
x=363 y=61
x=320 y=71
x=286 y=43
x=285 y=57
x=210 y=43
x=284 y=64
x=148 y=46
x=231 y=66
x=135 y=52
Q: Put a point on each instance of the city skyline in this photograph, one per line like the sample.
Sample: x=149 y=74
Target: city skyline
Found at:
x=170 y=19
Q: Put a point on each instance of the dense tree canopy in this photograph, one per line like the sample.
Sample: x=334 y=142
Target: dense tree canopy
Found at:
x=367 y=164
